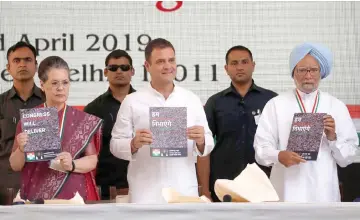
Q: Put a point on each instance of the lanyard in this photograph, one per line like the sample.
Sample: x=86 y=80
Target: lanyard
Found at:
x=302 y=106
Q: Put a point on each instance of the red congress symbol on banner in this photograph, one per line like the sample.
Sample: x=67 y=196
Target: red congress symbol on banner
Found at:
x=159 y=6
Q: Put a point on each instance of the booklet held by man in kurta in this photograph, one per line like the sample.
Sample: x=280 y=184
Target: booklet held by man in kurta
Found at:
x=168 y=126
x=306 y=134
x=42 y=127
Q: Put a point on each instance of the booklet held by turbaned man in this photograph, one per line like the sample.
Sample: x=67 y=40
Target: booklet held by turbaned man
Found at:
x=168 y=126
x=42 y=127
x=306 y=134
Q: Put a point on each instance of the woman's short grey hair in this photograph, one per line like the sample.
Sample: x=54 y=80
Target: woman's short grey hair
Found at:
x=49 y=63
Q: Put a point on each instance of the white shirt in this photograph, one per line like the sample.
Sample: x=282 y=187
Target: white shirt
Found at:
x=148 y=175
x=313 y=181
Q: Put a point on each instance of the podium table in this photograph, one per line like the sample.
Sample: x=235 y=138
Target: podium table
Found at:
x=241 y=211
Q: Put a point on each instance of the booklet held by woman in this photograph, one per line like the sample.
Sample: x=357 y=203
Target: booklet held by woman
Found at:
x=42 y=127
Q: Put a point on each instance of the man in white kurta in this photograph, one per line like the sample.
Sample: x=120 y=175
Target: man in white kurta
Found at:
x=147 y=175
x=295 y=179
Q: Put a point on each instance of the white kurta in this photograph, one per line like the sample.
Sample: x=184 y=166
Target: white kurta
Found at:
x=313 y=181
x=148 y=175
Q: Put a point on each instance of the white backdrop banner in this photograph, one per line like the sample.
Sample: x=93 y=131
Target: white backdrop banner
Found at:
x=83 y=33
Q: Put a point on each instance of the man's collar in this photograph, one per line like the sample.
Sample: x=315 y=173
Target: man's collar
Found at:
x=12 y=92
x=304 y=95
x=38 y=92
x=109 y=92
x=232 y=88
x=150 y=88
x=35 y=91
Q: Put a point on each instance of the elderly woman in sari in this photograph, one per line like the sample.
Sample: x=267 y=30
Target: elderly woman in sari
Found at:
x=79 y=143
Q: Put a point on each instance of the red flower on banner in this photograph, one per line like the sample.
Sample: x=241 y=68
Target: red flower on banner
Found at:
x=159 y=5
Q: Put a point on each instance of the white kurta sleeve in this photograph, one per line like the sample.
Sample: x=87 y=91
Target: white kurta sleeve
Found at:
x=345 y=147
x=122 y=132
x=266 y=137
x=201 y=120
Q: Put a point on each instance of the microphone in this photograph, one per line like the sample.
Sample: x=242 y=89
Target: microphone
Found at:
x=227 y=198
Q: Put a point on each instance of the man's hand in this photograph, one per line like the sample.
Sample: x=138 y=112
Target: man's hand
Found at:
x=288 y=158
x=196 y=133
x=142 y=137
x=329 y=127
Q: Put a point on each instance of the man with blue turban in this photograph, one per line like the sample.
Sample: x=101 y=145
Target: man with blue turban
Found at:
x=295 y=179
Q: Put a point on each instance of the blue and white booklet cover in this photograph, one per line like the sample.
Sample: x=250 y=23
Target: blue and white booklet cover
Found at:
x=168 y=126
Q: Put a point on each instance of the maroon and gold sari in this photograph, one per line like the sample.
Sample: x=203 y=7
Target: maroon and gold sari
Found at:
x=81 y=137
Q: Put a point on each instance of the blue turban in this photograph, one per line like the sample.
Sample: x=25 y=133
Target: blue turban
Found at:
x=319 y=52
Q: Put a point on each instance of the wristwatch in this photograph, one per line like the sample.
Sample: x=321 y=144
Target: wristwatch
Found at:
x=73 y=167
